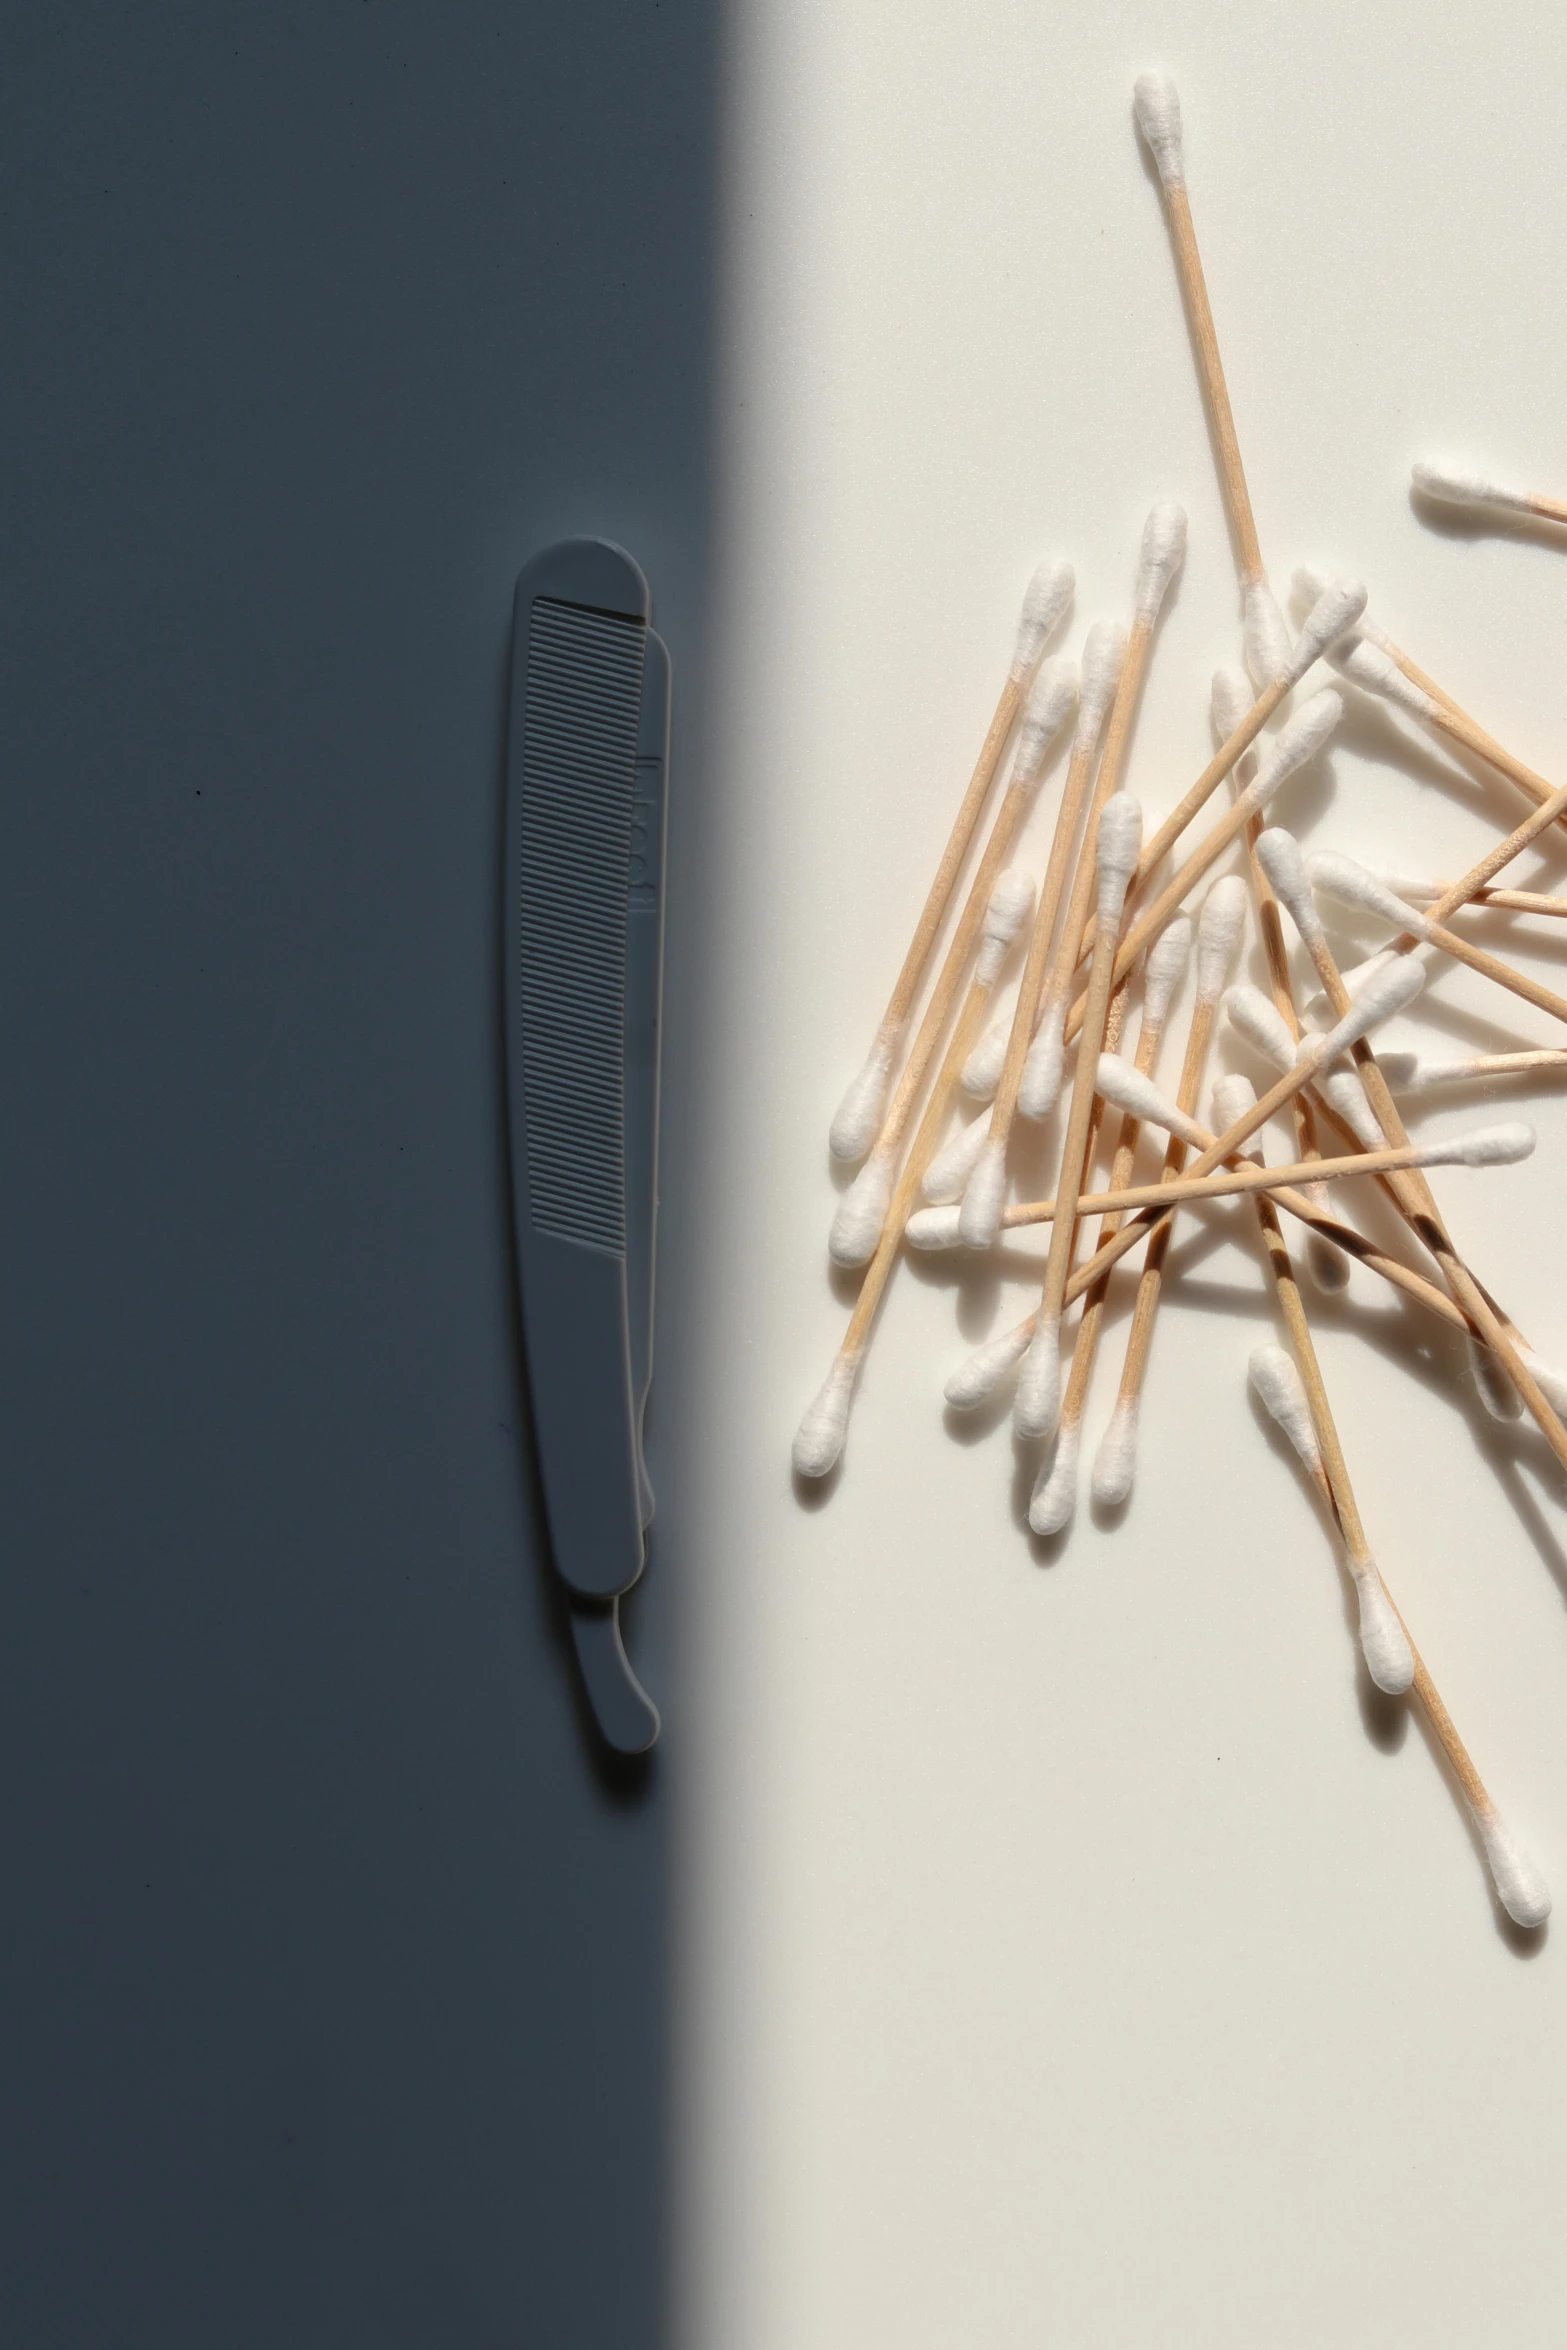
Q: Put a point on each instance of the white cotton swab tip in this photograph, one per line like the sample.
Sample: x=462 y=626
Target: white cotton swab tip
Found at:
x=1054 y=1503
x=1270 y=654
x=819 y=1439
x=1344 y=1094
x=1520 y=1887
x=1230 y=700
x=1278 y=853
x=979 y=1219
x=933 y=1228
x=946 y=1178
x=1339 y=877
x=1120 y=839
x=1011 y=904
x=1456 y=485
x=1218 y=935
x=862 y=1211
x=1051 y=701
x=1163 y=553
x=859 y=1117
x=1495 y=1390
x=1383 y=1641
x=1158 y=110
x=1037 y=1404
x=1040 y=1086
x=1045 y=598
x=1280 y=1390
x=1371 y=667
x=1332 y=616
x=1254 y=1017
x=982 y=1070
x=1126 y=1088
x=1104 y=649
x=979 y=1375
x=1301 y=740
x=1484 y=1146
x=1167 y=960
x=1233 y=1096
x=1385 y=992
x=1551 y=1382
x=1115 y=1463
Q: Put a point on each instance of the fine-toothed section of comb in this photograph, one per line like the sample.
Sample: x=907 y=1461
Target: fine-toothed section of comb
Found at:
x=581 y=709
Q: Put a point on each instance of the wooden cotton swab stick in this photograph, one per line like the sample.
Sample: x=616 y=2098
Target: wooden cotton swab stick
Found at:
x=1520 y=1887
x=1161 y=555
x=1452 y=485
x=1418 y=890
x=1055 y=1491
x=1328 y=1267
x=863 y=1207
x=1218 y=936
x=819 y=1439
x=1382 y=1641
x=1484 y=1146
x=1411 y=1191
x=1038 y=1399
x=860 y=1112
x=1334 y=875
x=1158 y=110
x=1413 y=1073
x=1385 y=992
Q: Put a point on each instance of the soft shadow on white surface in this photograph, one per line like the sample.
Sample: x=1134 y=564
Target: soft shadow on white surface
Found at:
x=1073 y=1953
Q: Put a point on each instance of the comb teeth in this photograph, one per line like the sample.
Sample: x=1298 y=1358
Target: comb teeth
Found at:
x=583 y=696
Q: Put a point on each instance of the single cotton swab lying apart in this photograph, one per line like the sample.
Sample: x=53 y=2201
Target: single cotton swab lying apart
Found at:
x=1218 y=936
x=1452 y=485
x=1520 y=1887
x=1382 y=1638
x=1160 y=557
x=1037 y=1403
x=1055 y=1492
x=860 y=1112
x=1159 y=119
x=863 y=1207
x=1333 y=875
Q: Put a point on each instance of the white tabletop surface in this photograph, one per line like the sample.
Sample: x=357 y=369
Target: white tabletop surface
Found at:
x=1071 y=1953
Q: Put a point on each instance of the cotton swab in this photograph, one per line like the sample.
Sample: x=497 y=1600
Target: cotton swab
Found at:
x=1373 y=662
x=1338 y=877
x=1483 y=1146
x=1104 y=658
x=1328 y=1267
x=862 y=1211
x=1218 y=937
x=860 y=1112
x=1410 y=1191
x=863 y=1206
x=1158 y=111
x=819 y=1440
x=1055 y=1492
x=1414 y=1073
x=1037 y=1403
x=1300 y=741
x=1290 y=1384
x=1453 y=485
x=1520 y=1887
x=1160 y=557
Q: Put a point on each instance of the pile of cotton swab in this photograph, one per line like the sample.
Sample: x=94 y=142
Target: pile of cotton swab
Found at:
x=1101 y=948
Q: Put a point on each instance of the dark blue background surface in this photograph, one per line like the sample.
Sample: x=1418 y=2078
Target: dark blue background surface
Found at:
x=332 y=1968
